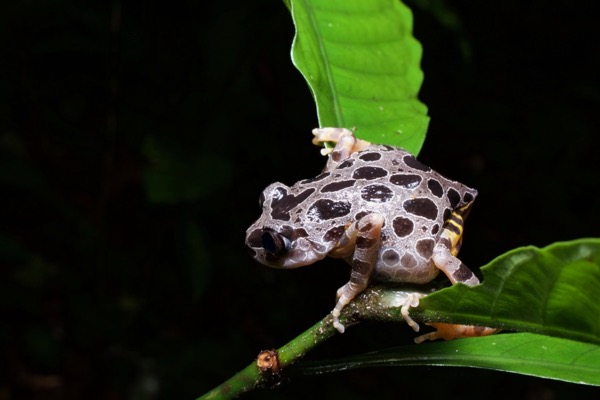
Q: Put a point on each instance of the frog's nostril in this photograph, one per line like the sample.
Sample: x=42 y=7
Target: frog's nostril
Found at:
x=274 y=243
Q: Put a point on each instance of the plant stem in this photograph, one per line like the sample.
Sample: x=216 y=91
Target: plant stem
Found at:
x=252 y=376
x=381 y=303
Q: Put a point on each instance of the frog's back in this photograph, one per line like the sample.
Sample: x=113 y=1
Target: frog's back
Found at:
x=414 y=200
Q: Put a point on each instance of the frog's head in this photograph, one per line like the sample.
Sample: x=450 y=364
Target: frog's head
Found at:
x=277 y=239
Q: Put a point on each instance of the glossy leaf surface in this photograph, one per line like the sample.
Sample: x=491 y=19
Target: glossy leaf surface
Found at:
x=524 y=353
x=362 y=65
x=551 y=290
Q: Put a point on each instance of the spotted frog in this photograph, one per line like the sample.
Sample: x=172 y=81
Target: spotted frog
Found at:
x=375 y=206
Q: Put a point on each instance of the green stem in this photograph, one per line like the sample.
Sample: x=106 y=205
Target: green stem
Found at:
x=252 y=376
x=374 y=303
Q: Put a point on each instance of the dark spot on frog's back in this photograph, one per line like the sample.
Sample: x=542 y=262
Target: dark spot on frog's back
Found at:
x=409 y=181
x=369 y=173
x=390 y=257
x=423 y=207
x=370 y=156
x=425 y=248
x=408 y=261
x=315 y=179
x=402 y=226
x=447 y=214
x=376 y=193
x=346 y=164
x=468 y=197
x=335 y=186
x=325 y=209
x=412 y=162
x=281 y=208
x=435 y=188
x=361 y=214
x=453 y=197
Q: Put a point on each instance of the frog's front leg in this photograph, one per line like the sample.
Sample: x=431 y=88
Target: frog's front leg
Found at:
x=346 y=144
x=365 y=235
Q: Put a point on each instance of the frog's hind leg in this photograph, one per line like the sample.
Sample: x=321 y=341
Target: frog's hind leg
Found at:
x=450 y=265
x=367 y=243
x=345 y=144
x=456 y=271
x=447 y=246
x=444 y=257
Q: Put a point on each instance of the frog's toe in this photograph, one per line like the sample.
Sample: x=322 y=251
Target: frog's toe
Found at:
x=411 y=300
x=337 y=324
x=329 y=134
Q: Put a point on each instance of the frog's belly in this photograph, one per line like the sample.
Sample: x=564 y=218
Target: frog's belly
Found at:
x=406 y=270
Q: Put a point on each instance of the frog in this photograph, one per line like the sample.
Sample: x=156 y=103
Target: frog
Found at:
x=389 y=216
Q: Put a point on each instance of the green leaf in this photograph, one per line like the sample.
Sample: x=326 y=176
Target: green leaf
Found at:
x=362 y=65
x=523 y=353
x=552 y=290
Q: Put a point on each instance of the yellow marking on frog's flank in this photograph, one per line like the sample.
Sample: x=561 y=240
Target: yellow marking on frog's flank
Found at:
x=454 y=240
x=454 y=229
x=458 y=226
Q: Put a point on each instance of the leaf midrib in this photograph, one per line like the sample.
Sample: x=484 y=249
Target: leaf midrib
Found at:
x=330 y=81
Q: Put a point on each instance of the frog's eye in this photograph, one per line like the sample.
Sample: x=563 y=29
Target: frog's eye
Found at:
x=261 y=200
x=274 y=243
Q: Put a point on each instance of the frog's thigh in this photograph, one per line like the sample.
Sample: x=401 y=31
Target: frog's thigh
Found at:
x=368 y=242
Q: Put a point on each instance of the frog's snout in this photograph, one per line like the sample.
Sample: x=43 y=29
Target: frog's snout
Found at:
x=267 y=246
x=274 y=243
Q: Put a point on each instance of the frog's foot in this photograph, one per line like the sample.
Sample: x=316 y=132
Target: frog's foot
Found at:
x=344 y=139
x=453 y=331
x=343 y=300
x=444 y=331
x=412 y=300
x=333 y=135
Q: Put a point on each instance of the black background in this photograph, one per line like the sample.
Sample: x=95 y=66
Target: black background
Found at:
x=135 y=139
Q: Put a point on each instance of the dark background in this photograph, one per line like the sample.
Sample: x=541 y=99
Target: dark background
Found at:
x=136 y=138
